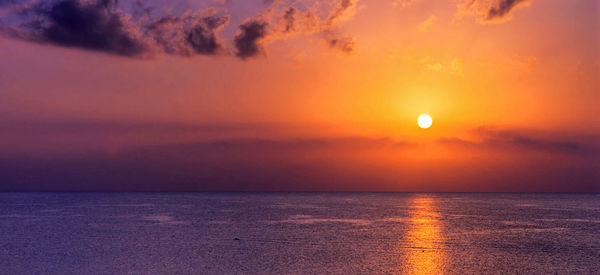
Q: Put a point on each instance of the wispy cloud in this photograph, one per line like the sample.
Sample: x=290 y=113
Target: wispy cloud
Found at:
x=424 y=26
x=489 y=137
x=282 y=20
x=490 y=11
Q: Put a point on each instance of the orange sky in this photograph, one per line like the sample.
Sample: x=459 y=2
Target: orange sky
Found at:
x=328 y=101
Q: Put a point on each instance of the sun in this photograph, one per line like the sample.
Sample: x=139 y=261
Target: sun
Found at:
x=424 y=121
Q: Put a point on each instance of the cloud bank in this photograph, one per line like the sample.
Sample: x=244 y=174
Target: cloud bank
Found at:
x=181 y=157
x=108 y=26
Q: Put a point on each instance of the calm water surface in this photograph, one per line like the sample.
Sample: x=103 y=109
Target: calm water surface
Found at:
x=258 y=233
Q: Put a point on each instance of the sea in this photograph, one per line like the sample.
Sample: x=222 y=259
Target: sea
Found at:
x=299 y=233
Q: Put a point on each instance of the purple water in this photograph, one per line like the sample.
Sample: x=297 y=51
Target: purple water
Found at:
x=344 y=233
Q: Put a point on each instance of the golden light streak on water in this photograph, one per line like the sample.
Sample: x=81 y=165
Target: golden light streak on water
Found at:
x=425 y=252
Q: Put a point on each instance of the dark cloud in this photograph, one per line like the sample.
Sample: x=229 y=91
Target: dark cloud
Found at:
x=103 y=26
x=89 y=25
x=100 y=26
x=188 y=35
x=542 y=142
x=202 y=37
x=167 y=32
x=107 y=4
x=203 y=40
x=490 y=11
x=566 y=146
x=343 y=43
x=529 y=140
x=248 y=39
x=289 y=18
x=502 y=9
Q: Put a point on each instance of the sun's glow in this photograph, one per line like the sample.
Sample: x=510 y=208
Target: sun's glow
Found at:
x=424 y=121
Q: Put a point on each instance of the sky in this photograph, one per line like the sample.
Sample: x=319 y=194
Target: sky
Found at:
x=302 y=95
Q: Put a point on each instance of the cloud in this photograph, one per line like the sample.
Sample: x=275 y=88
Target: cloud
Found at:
x=456 y=67
x=188 y=35
x=279 y=147
x=343 y=10
x=436 y=67
x=535 y=142
x=502 y=9
x=101 y=26
x=286 y=21
x=529 y=140
x=344 y=44
x=283 y=20
x=202 y=36
x=111 y=27
x=94 y=26
x=430 y=64
x=223 y=164
x=303 y=164
x=187 y=157
x=490 y=11
x=289 y=18
x=424 y=26
x=248 y=39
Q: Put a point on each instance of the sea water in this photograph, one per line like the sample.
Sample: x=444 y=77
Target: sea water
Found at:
x=299 y=233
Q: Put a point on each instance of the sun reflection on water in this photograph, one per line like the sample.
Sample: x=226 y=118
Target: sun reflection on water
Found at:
x=424 y=240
